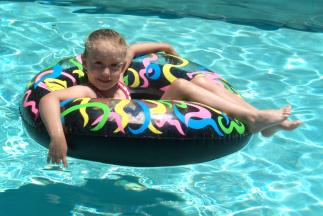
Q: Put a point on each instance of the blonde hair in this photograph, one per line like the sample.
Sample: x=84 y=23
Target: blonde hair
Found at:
x=109 y=35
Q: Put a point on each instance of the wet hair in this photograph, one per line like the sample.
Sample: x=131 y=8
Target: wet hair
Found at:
x=109 y=35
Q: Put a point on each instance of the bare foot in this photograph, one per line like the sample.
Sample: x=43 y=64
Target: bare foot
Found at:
x=268 y=118
x=285 y=125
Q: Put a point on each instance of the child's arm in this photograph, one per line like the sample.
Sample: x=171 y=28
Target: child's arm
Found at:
x=50 y=114
x=145 y=48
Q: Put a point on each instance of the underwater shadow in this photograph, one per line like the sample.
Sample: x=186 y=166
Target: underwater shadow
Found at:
x=123 y=195
x=135 y=12
x=101 y=7
x=266 y=25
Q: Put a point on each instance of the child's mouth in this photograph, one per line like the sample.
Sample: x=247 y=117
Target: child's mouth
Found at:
x=104 y=81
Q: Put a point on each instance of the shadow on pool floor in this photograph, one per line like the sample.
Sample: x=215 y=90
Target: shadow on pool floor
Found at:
x=96 y=197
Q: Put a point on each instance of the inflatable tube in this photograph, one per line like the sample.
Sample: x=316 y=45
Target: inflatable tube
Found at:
x=137 y=132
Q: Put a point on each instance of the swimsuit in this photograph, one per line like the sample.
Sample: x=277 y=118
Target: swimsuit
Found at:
x=124 y=89
x=120 y=86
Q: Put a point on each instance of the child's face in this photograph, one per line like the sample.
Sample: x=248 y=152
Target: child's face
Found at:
x=104 y=65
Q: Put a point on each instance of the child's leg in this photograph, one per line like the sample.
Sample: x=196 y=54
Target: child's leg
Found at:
x=221 y=91
x=256 y=120
x=227 y=95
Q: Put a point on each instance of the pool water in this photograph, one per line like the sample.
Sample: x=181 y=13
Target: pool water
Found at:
x=281 y=175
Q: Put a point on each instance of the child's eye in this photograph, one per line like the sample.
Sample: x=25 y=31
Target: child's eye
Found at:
x=98 y=63
x=116 y=65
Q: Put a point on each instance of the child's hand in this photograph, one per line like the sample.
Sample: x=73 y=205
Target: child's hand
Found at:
x=171 y=51
x=57 y=151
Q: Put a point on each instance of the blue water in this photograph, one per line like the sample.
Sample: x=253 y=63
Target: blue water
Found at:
x=281 y=175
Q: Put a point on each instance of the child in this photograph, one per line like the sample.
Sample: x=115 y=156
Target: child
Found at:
x=105 y=59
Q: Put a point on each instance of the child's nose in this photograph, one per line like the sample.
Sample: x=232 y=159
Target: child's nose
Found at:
x=106 y=72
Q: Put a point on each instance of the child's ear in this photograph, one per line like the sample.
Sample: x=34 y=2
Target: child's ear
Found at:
x=124 y=66
x=84 y=61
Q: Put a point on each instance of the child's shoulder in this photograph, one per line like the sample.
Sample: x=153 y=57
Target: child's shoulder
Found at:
x=85 y=89
x=77 y=91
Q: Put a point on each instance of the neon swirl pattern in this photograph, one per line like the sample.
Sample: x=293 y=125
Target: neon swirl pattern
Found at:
x=136 y=117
